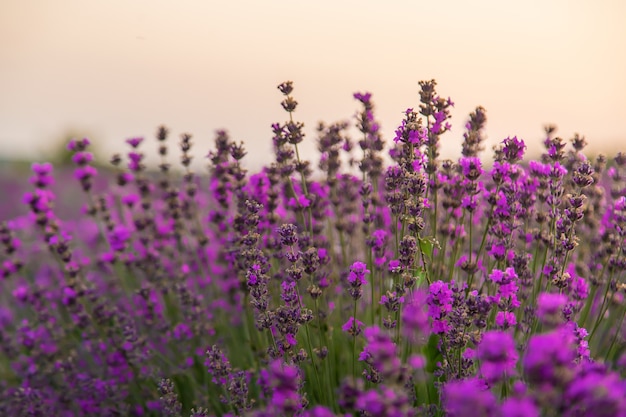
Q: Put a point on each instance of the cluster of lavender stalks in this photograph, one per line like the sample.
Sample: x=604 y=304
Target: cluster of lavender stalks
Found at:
x=426 y=288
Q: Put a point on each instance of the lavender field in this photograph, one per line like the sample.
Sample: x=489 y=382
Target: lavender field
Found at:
x=373 y=279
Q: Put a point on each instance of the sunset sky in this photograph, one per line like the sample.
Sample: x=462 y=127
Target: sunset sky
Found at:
x=118 y=68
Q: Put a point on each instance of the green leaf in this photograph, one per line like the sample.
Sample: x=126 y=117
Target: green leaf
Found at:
x=432 y=353
x=186 y=391
x=427 y=246
x=420 y=275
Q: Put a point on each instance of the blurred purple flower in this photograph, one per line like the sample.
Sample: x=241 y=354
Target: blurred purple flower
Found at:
x=549 y=358
x=505 y=319
x=415 y=316
x=468 y=397
x=380 y=352
x=498 y=355
x=550 y=306
x=134 y=142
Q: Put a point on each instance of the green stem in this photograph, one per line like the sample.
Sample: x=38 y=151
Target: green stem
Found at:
x=590 y=298
x=603 y=310
x=615 y=336
x=354 y=345
x=310 y=349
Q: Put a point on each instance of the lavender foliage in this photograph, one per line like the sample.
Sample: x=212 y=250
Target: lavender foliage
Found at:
x=479 y=286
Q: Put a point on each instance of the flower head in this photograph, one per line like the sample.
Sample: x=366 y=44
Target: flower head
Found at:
x=353 y=327
x=415 y=316
x=356 y=279
x=549 y=358
x=497 y=354
x=468 y=397
x=471 y=168
x=513 y=149
x=549 y=308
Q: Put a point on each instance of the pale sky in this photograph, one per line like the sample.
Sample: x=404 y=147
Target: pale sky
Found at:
x=118 y=68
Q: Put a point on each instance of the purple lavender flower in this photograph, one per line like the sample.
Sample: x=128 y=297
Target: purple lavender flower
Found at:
x=416 y=361
x=130 y=200
x=580 y=288
x=43 y=175
x=549 y=358
x=378 y=239
x=519 y=404
x=471 y=168
x=78 y=145
x=371 y=402
x=505 y=319
x=318 y=411
x=284 y=381
x=134 y=163
x=582 y=345
x=439 y=305
x=364 y=98
x=82 y=158
x=513 y=149
x=356 y=279
x=118 y=238
x=353 y=327
x=415 y=325
x=171 y=406
x=507 y=285
x=288 y=235
x=380 y=352
x=134 y=142
x=357 y=273
x=497 y=355
x=595 y=392
x=468 y=397
x=392 y=301
x=395 y=266
x=85 y=172
x=286 y=87
x=549 y=308
x=384 y=401
x=217 y=365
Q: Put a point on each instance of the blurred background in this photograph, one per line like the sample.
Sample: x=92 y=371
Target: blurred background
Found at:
x=117 y=69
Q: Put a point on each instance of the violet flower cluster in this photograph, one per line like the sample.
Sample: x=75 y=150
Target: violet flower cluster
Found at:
x=489 y=285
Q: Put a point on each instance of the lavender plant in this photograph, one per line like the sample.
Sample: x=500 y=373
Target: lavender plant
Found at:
x=425 y=288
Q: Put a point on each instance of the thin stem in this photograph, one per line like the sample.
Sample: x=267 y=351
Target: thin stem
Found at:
x=354 y=344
